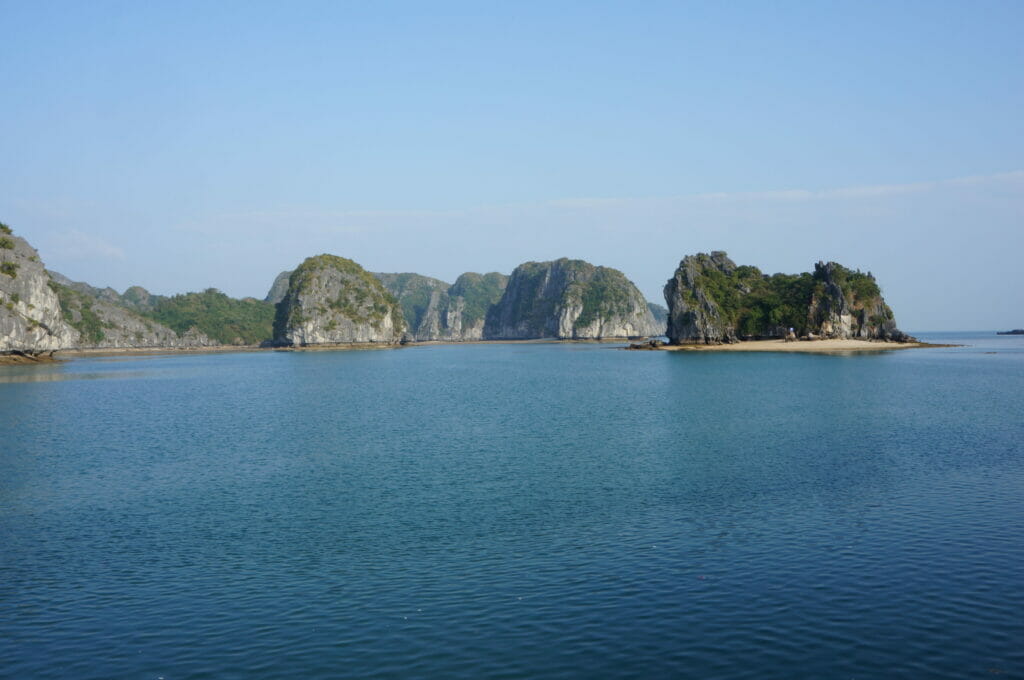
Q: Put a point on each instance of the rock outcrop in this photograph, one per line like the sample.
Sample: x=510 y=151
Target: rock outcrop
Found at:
x=30 y=314
x=332 y=300
x=278 y=288
x=106 y=319
x=660 y=315
x=423 y=301
x=569 y=299
x=849 y=304
x=711 y=300
x=42 y=311
x=471 y=298
x=693 y=315
x=101 y=324
x=437 y=311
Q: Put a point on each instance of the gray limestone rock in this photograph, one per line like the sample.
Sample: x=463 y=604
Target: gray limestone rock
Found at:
x=569 y=299
x=106 y=320
x=332 y=300
x=30 y=312
x=435 y=310
x=849 y=304
x=693 y=315
x=660 y=315
x=278 y=289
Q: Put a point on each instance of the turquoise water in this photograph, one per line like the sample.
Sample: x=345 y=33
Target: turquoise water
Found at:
x=515 y=511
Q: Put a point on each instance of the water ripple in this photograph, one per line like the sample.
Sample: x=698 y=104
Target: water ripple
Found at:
x=514 y=511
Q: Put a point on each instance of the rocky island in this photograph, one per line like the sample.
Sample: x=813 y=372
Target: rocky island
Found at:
x=331 y=300
x=712 y=301
x=563 y=300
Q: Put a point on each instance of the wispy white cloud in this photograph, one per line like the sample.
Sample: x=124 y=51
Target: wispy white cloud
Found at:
x=603 y=210
x=74 y=244
x=912 y=235
x=797 y=195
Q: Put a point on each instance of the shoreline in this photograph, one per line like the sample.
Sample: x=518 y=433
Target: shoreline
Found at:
x=825 y=346
x=21 y=358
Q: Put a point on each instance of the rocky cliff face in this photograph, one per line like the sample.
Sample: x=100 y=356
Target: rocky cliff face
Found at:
x=569 y=299
x=278 y=288
x=332 y=300
x=105 y=319
x=42 y=311
x=848 y=304
x=472 y=297
x=435 y=310
x=423 y=301
x=660 y=315
x=693 y=315
x=711 y=300
x=30 y=313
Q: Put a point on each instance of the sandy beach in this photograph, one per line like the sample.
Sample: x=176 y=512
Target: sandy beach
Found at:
x=813 y=347
x=810 y=346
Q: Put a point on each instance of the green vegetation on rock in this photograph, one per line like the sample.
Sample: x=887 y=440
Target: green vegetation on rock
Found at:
x=221 y=318
x=715 y=300
x=76 y=308
x=776 y=301
x=139 y=298
x=362 y=298
x=857 y=285
x=6 y=243
x=606 y=294
x=301 y=278
x=568 y=299
x=4 y=229
x=10 y=269
x=528 y=306
x=413 y=292
x=480 y=293
x=753 y=302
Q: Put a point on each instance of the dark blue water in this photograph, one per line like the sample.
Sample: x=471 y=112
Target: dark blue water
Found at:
x=515 y=511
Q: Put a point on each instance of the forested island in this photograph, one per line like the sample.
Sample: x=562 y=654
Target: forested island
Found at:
x=712 y=300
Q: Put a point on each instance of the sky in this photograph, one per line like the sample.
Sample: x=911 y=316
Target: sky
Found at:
x=181 y=145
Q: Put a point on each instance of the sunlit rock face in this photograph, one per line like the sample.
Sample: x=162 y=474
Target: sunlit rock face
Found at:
x=30 y=312
x=437 y=311
x=569 y=299
x=332 y=300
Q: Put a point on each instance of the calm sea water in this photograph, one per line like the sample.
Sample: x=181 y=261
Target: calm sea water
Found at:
x=515 y=511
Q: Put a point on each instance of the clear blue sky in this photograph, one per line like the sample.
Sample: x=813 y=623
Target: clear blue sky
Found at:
x=183 y=145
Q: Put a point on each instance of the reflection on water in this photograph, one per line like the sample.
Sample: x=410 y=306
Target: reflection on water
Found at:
x=534 y=511
x=33 y=374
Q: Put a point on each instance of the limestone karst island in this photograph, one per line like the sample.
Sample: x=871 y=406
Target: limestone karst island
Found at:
x=331 y=301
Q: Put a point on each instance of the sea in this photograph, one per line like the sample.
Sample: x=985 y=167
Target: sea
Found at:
x=531 y=510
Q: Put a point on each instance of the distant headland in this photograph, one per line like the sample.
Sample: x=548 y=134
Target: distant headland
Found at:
x=331 y=301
